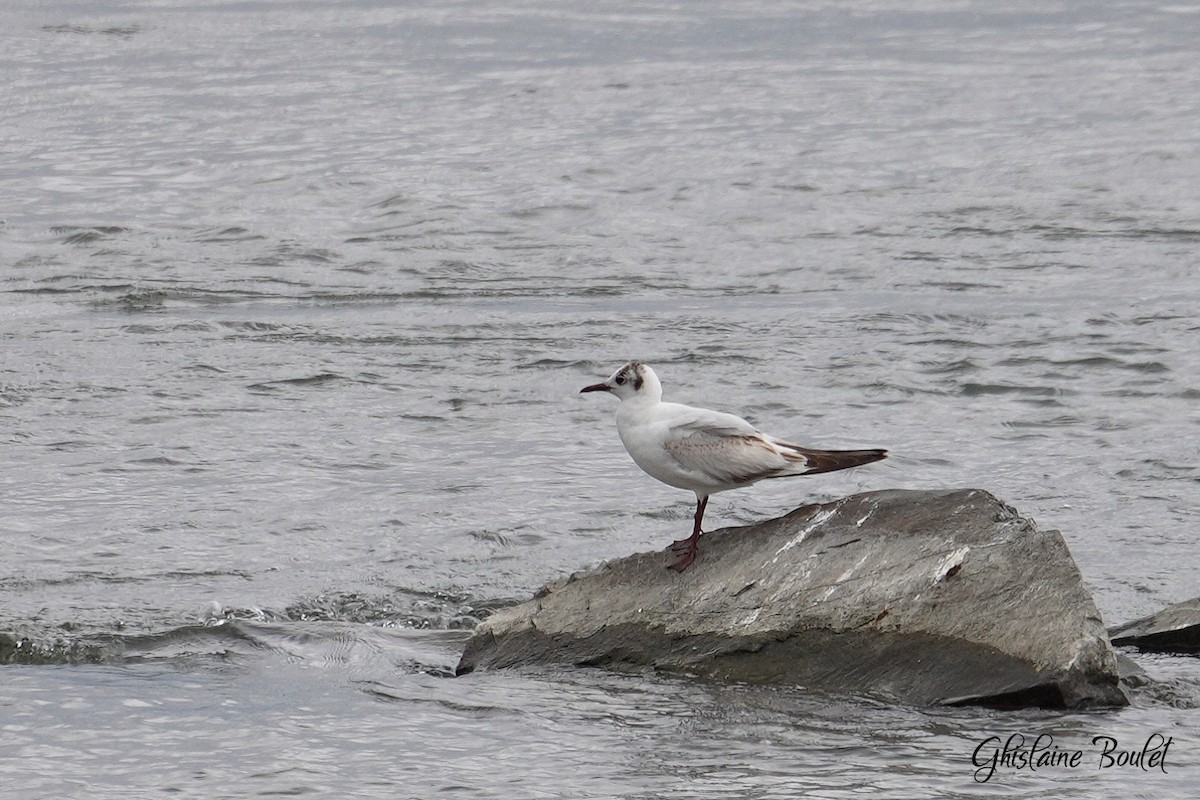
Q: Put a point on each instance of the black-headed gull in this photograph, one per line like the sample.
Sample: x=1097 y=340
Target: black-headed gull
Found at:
x=705 y=451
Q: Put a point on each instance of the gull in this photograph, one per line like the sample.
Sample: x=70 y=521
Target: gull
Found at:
x=705 y=451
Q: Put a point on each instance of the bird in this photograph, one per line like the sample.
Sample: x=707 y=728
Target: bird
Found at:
x=705 y=451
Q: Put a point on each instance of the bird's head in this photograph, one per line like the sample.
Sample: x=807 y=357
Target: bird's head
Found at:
x=634 y=379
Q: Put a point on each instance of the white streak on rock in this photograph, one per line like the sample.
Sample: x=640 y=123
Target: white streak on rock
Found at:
x=817 y=520
x=948 y=563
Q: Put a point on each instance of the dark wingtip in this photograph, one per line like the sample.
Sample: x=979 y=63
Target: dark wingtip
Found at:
x=832 y=460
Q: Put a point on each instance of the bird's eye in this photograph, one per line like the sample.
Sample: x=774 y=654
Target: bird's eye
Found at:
x=620 y=380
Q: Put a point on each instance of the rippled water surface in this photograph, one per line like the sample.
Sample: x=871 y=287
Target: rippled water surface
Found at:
x=296 y=299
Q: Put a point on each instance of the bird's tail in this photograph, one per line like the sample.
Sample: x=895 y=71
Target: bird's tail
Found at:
x=831 y=460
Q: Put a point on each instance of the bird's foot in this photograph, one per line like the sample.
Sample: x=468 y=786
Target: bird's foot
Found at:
x=684 y=560
x=687 y=554
x=690 y=543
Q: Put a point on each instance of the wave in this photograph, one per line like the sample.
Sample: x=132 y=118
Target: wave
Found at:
x=222 y=642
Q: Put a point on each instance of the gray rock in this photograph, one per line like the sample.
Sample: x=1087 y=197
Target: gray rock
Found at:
x=919 y=596
x=1175 y=629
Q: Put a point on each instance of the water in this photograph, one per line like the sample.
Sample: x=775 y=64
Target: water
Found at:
x=296 y=297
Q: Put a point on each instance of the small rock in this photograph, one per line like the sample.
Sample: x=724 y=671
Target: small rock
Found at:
x=1175 y=629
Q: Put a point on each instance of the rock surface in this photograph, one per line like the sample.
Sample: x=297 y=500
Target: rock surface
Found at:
x=920 y=596
x=1175 y=629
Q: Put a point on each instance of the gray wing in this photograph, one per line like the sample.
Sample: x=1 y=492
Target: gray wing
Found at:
x=724 y=450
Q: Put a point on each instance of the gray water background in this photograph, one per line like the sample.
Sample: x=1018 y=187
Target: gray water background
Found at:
x=296 y=298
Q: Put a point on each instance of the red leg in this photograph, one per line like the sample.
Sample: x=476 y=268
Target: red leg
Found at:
x=687 y=548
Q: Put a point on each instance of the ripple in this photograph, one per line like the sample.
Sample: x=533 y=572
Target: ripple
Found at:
x=121 y=32
x=985 y=389
x=319 y=379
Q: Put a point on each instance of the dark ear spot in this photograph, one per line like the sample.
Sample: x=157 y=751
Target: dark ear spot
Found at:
x=637 y=380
